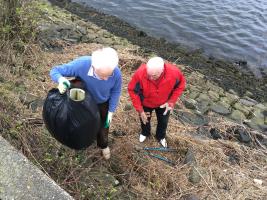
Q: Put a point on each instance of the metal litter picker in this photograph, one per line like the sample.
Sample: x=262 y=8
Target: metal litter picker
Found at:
x=149 y=150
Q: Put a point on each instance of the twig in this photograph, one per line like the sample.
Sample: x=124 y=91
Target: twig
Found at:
x=206 y=183
x=258 y=142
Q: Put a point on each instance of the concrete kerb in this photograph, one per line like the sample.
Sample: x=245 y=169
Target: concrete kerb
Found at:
x=20 y=179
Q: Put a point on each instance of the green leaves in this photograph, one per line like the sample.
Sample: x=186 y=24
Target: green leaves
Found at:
x=18 y=20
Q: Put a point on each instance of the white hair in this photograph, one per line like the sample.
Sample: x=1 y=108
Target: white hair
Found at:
x=106 y=58
x=155 y=64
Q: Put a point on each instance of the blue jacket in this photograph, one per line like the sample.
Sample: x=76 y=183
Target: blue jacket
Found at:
x=101 y=90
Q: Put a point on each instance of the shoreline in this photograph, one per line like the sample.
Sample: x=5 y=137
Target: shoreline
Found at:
x=227 y=75
x=189 y=44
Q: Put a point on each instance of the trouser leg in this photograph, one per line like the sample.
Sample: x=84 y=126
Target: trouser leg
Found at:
x=102 y=136
x=146 y=128
x=162 y=123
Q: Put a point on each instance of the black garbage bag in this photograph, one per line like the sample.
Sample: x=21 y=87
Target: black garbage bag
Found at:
x=74 y=123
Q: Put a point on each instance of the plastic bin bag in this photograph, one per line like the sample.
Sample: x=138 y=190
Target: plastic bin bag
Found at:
x=72 y=118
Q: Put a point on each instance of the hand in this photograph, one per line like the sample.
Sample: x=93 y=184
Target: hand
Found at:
x=63 y=84
x=144 y=117
x=168 y=107
x=109 y=119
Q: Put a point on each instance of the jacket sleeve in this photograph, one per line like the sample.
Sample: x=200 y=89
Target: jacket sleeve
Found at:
x=70 y=69
x=115 y=93
x=178 y=88
x=134 y=89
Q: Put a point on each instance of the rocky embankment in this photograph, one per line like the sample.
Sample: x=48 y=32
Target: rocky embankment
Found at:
x=227 y=75
x=212 y=85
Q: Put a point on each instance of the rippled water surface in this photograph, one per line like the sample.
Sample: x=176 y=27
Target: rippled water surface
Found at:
x=232 y=29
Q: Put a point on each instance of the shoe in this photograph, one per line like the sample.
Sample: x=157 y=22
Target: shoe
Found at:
x=106 y=153
x=163 y=142
x=142 y=138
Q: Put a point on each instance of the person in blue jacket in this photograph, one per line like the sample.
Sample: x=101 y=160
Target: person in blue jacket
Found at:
x=102 y=78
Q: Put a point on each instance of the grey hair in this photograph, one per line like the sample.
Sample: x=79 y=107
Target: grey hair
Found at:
x=105 y=58
x=155 y=64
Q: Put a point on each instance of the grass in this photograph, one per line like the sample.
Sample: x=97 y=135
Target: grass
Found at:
x=81 y=172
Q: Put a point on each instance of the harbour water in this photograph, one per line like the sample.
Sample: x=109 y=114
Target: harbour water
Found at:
x=232 y=30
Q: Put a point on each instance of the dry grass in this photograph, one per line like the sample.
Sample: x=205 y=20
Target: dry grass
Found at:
x=141 y=176
x=154 y=179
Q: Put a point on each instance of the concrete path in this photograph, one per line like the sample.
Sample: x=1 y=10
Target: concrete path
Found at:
x=20 y=179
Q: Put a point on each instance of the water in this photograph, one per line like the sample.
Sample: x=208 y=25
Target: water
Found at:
x=233 y=30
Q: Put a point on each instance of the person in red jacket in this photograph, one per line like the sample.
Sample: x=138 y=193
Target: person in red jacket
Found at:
x=155 y=86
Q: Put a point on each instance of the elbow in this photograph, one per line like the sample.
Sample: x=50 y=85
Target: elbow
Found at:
x=54 y=74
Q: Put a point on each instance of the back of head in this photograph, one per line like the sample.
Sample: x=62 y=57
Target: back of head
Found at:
x=155 y=65
x=105 y=59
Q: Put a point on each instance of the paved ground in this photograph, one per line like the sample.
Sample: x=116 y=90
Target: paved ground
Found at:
x=20 y=179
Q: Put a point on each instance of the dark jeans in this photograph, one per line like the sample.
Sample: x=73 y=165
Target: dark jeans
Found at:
x=102 y=135
x=162 y=123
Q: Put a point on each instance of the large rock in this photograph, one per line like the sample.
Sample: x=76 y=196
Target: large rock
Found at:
x=243 y=135
x=31 y=101
x=214 y=96
x=212 y=86
x=242 y=108
x=260 y=106
x=203 y=107
x=27 y=98
x=231 y=97
x=203 y=97
x=233 y=92
x=194 y=176
x=237 y=116
x=190 y=104
x=190 y=157
x=227 y=100
x=194 y=94
x=257 y=123
x=190 y=118
x=248 y=102
x=221 y=108
x=249 y=94
x=215 y=133
x=258 y=113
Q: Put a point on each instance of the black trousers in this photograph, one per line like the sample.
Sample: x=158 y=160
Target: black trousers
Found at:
x=162 y=122
x=102 y=135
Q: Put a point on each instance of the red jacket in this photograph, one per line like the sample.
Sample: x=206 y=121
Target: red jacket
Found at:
x=152 y=94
